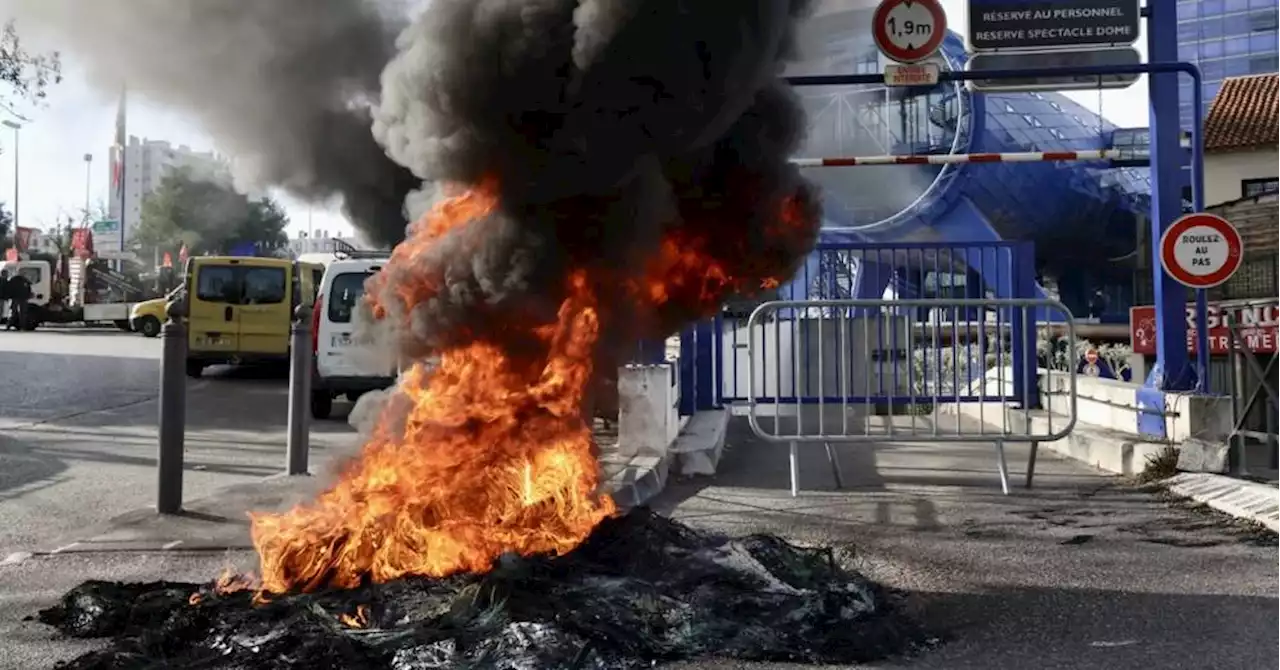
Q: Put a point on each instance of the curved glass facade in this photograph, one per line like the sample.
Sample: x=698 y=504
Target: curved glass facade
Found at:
x=1083 y=217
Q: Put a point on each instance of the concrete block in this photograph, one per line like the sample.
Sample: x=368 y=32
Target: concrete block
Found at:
x=699 y=446
x=647 y=419
x=1195 y=455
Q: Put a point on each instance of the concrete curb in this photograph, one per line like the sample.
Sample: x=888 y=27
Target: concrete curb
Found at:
x=1239 y=498
x=1103 y=448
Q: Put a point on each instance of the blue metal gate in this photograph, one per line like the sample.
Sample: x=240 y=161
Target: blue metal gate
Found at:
x=713 y=353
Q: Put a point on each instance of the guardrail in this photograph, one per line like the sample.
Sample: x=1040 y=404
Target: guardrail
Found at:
x=861 y=370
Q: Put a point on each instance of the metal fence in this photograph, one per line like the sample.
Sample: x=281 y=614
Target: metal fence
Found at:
x=881 y=370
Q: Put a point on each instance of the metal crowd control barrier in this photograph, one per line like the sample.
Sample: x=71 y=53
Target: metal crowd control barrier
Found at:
x=935 y=370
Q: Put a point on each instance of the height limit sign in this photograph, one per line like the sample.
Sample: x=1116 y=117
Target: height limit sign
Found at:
x=909 y=31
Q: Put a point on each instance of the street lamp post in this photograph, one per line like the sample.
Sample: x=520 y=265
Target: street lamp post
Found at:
x=16 y=127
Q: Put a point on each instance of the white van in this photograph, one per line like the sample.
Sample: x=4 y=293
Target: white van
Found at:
x=351 y=358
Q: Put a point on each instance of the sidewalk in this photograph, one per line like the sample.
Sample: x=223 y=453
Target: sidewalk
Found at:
x=72 y=472
x=219 y=521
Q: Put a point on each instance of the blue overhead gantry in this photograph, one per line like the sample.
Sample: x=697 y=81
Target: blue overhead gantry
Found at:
x=1085 y=218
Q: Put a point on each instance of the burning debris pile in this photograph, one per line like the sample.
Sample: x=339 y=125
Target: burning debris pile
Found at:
x=641 y=589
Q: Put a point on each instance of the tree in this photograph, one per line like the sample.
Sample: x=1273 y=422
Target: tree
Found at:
x=26 y=74
x=206 y=217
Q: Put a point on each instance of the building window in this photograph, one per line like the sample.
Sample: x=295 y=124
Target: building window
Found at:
x=1263 y=64
x=1252 y=187
x=1262 y=43
x=1260 y=21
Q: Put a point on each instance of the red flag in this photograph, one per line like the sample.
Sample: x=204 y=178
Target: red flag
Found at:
x=183 y=255
x=168 y=260
x=117 y=167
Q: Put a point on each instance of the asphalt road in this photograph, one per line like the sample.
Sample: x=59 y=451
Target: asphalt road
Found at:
x=78 y=441
x=47 y=375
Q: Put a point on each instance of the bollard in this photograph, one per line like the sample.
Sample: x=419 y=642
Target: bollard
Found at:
x=173 y=410
x=299 y=391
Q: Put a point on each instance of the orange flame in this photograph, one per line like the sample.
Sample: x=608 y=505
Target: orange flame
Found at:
x=494 y=457
x=360 y=619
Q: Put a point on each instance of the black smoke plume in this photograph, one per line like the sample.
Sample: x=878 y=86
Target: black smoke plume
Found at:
x=284 y=86
x=606 y=125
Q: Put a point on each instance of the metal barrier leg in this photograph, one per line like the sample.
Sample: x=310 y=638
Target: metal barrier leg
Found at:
x=1004 y=467
x=1031 y=462
x=795 y=469
x=835 y=465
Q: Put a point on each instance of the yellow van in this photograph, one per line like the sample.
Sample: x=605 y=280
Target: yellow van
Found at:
x=239 y=308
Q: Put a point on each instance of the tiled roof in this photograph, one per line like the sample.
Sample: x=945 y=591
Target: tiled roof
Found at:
x=1245 y=115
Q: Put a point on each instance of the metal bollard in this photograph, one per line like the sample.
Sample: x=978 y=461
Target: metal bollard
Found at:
x=299 y=391
x=173 y=410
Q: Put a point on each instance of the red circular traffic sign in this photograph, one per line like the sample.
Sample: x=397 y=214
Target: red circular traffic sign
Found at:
x=909 y=31
x=1201 y=250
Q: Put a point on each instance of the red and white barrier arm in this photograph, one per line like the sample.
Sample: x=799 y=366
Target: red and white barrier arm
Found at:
x=951 y=159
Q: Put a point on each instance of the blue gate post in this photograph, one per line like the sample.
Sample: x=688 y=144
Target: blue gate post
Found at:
x=717 y=344
x=690 y=364
x=705 y=372
x=1172 y=371
x=1022 y=327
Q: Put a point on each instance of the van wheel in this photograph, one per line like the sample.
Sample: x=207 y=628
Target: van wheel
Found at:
x=321 y=404
x=194 y=369
x=149 y=326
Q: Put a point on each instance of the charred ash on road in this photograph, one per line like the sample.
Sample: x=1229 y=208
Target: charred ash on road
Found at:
x=642 y=589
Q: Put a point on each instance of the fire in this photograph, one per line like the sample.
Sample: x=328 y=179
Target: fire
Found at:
x=494 y=457
x=358 y=619
x=488 y=453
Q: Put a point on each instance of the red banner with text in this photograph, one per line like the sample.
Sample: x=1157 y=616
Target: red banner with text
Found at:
x=1256 y=323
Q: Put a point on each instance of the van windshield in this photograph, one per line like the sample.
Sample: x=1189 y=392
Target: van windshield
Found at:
x=344 y=294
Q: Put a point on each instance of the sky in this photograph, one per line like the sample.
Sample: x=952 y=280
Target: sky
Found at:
x=77 y=120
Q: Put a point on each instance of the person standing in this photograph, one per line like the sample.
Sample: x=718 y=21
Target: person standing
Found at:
x=4 y=297
x=19 y=293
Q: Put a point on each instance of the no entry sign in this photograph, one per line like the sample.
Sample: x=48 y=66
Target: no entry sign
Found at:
x=909 y=31
x=1201 y=250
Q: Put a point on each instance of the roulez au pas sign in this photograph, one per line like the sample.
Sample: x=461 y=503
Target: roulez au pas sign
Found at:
x=909 y=31
x=1201 y=250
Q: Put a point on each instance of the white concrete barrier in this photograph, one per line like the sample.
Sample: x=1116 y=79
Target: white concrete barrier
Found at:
x=648 y=408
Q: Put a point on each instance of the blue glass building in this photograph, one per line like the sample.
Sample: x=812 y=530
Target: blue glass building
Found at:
x=1226 y=38
x=1085 y=218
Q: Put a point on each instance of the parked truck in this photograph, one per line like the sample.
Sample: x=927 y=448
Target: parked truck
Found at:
x=93 y=293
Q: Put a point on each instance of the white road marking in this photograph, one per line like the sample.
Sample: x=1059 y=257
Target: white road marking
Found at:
x=170 y=545
x=16 y=558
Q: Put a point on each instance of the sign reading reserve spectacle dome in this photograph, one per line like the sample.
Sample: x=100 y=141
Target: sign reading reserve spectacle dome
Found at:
x=1039 y=24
